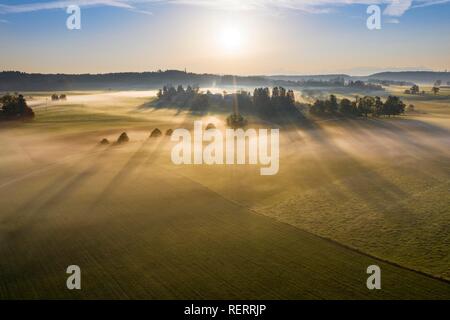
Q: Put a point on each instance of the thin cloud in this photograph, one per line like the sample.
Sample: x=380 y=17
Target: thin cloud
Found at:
x=393 y=8
x=52 y=5
x=309 y=6
x=397 y=8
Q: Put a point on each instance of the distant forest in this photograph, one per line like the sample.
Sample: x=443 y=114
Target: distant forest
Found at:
x=18 y=81
x=11 y=81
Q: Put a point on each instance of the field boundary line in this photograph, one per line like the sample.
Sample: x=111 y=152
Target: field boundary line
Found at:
x=329 y=240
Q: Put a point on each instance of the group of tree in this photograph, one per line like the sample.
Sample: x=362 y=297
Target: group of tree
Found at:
x=340 y=82
x=191 y=97
x=270 y=104
x=14 y=107
x=415 y=89
x=361 y=85
x=359 y=107
x=264 y=101
x=56 y=97
x=388 y=83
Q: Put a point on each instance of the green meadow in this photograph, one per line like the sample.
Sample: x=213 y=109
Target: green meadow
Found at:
x=350 y=193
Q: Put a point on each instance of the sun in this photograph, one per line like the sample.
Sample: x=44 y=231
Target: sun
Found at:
x=230 y=39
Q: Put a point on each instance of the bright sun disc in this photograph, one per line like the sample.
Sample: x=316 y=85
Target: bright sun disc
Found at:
x=230 y=39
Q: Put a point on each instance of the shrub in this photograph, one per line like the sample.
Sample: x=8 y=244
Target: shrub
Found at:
x=156 y=133
x=169 y=132
x=236 y=121
x=123 y=138
x=104 y=141
x=210 y=126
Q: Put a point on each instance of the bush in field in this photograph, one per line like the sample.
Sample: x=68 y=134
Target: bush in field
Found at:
x=123 y=138
x=14 y=107
x=156 y=133
x=63 y=97
x=210 y=126
x=55 y=97
x=236 y=121
x=104 y=141
x=413 y=90
x=169 y=132
x=435 y=90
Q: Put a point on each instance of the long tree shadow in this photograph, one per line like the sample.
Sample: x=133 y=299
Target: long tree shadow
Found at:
x=35 y=210
x=386 y=191
x=140 y=158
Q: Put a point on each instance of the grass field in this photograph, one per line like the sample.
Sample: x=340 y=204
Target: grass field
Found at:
x=140 y=227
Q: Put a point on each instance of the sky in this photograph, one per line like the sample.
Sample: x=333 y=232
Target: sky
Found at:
x=243 y=37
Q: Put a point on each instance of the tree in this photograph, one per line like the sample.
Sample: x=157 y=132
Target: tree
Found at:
x=123 y=138
x=366 y=105
x=332 y=104
x=275 y=93
x=393 y=106
x=438 y=83
x=15 y=107
x=415 y=89
x=180 y=89
x=318 y=107
x=345 y=107
x=200 y=103
x=378 y=107
x=435 y=90
x=291 y=97
x=156 y=133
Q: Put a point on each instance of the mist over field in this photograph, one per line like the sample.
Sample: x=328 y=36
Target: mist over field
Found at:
x=225 y=154
x=378 y=188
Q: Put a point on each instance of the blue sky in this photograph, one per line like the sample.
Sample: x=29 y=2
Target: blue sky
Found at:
x=225 y=36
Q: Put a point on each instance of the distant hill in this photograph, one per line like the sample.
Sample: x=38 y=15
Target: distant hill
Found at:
x=413 y=76
x=318 y=77
x=11 y=81
x=19 y=81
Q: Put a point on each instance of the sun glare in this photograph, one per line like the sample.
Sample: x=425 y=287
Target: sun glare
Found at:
x=230 y=39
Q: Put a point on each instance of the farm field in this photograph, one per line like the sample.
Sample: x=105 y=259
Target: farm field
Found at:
x=142 y=228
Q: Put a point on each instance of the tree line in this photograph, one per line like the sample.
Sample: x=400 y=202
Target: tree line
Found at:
x=359 y=107
x=264 y=101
